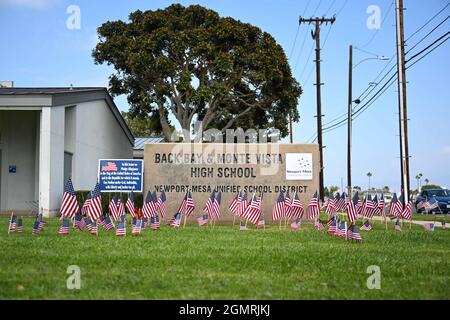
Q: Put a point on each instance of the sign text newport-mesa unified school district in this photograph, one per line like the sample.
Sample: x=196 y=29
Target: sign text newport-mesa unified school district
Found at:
x=202 y=168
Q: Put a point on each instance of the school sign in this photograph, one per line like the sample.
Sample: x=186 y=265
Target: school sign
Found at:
x=202 y=168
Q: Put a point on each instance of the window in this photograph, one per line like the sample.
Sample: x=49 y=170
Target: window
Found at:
x=67 y=166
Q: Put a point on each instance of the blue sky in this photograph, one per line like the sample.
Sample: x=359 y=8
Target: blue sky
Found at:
x=39 y=50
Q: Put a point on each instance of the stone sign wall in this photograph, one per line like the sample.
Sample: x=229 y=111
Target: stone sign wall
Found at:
x=201 y=168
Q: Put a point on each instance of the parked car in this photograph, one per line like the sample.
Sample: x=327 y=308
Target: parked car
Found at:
x=442 y=196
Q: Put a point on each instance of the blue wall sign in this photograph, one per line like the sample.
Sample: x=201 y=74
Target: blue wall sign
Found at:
x=12 y=168
x=120 y=175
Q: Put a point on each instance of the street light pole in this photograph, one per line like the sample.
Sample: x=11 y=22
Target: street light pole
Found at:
x=350 y=111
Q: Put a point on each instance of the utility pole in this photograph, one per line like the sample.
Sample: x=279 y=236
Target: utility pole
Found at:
x=349 y=121
x=316 y=36
x=403 y=116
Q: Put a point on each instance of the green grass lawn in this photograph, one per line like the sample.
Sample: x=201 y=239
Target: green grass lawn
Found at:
x=224 y=263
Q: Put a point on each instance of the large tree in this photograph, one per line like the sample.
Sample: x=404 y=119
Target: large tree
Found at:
x=192 y=63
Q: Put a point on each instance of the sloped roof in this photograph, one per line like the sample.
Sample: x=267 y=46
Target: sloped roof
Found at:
x=141 y=141
x=70 y=95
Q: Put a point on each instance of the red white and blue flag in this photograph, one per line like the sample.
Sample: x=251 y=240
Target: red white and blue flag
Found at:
x=64 y=228
x=69 y=205
x=215 y=213
x=234 y=206
x=278 y=208
x=351 y=208
x=332 y=207
x=162 y=204
x=253 y=211
x=130 y=204
x=297 y=210
x=95 y=205
x=113 y=210
x=313 y=209
x=287 y=205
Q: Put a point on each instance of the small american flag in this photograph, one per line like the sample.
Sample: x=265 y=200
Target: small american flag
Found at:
x=395 y=207
x=243 y=205
x=85 y=207
x=430 y=204
x=13 y=224
x=38 y=224
x=137 y=227
x=121 y=230
x=242 y=226
x=155 y=202
x=203 y=219
x=94 y=228
x=341 y=203
x=95 y=205
x=297 y=207
x=397 y=225
x=341 y=230
x=154 y=222
x=147 y=207
x=130 y=204
x=253 y=211
x=108 y=224
x=429 y=226
x=332 y=207
x=120 y=207
x=112 y=207
x=88 y=223
x=313 y=209
x=366 y=226
x=19 y=225
x=380 y=206
x=64 y=229
x=208 y=207
x=351 y=208
x=162 y=204
x=353 y=233
x=407 y=212
x=216 y=206
x=190 y=205
x=332 y=225
x=176 y=220
x=287 y=205
x=369 y=207
x=69 y=205
x=235 y=203
x=278 y=208
x=79 y=222
x=296 y=224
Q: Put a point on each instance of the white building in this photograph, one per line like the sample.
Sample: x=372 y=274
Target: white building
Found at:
x=50 y=134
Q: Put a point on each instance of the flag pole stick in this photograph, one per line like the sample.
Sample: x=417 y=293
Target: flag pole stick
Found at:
x=10 y=220
x=184 y=224
x=234 y=219
x=279 y=225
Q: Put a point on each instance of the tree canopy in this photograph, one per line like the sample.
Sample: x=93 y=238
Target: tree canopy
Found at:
x=198 y=66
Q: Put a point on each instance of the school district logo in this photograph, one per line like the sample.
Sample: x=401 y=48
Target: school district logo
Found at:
x=299 y=166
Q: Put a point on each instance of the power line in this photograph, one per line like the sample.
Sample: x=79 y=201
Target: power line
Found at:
x=429 y=46
x=385 y=87
x=298 y=29
x=428 y=34
x=427 y=22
